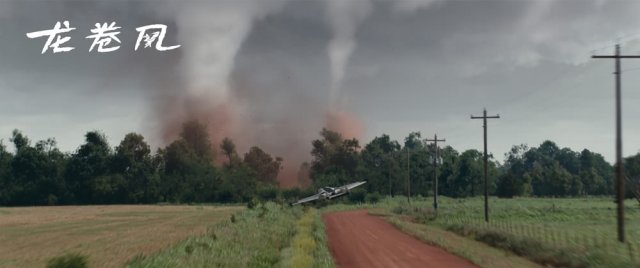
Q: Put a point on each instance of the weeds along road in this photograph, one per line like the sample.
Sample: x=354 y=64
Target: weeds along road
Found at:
x=357 y=239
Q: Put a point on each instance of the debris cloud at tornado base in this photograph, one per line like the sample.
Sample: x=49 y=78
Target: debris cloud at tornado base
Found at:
x=211 y=36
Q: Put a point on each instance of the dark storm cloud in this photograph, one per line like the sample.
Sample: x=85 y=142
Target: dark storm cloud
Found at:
x=66 y=94
x=417 y=65
x=528 y=60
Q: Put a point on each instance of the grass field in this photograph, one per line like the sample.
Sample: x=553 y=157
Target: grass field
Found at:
x=574 y=232
x=268 y=235
x=109 y=235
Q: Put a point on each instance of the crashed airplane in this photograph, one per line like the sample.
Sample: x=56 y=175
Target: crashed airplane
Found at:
x=329 y=193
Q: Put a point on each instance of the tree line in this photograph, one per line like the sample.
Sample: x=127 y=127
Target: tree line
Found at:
x=96 y=173
x=184 y=171
x=388 y=166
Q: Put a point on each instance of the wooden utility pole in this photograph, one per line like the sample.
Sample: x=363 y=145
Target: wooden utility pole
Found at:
x=408 y=178
x=619 y=166
x=484 y=118
x=435 y=170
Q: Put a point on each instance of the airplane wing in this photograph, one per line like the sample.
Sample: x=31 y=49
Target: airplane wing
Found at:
x=307 y=199
x=354 y=185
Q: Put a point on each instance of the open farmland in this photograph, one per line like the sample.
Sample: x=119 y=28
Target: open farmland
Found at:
x=109 y=235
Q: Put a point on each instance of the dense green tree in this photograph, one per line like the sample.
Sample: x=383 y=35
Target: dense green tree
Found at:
x=36 y=172
x=593 y=183
x=133 y=161
x=569 y=160
x=185 y=170
x=265 y=167
x=632 y=170
x=560 y=180
x=603 y=173
x=195 y=135
x=508 y=186
x=549 y=149
x=239 y=184
x=515 y=181
x=229 y=150
x=87 y=173
x=413 y=141
x=189 y=174
x=418 y=156
x=6 y=176
x=380 y=166
x=550 y=171
x=336 y=156
x=447 y=169
x=19 y=140
x=467 y=177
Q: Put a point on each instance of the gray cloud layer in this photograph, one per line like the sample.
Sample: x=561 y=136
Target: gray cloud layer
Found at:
x=416 y=65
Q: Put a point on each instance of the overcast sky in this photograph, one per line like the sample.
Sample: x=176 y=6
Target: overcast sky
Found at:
x=409 y=65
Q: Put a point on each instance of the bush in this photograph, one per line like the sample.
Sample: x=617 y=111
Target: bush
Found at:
x=290 y=194
x=268 y=193
x=252 y=203
x=373 y=197
x=357 y=196
x=69 y=260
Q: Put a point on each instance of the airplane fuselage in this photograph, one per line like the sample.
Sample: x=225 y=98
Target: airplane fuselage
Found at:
x=332 y=192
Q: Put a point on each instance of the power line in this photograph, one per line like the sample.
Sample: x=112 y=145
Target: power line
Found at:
x=550 y=84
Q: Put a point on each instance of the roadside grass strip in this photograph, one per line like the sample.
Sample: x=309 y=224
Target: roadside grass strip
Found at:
x=309 y=245
x=562 y=232
x=251 y=238
x=474 y=251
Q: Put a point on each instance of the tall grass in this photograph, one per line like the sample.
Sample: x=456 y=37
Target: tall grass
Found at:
x=322 y=254
x=255 y=238
x=309 y=245
x=303 y=243
x=269 y=235
x=558 y=232
x=68 y=260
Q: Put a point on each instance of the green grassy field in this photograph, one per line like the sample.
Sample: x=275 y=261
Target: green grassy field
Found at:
x=108 y=235
x=268 y=235
x=578 y=232
x=563 y=232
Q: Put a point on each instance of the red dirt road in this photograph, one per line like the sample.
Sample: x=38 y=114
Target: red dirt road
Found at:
x=357 y=239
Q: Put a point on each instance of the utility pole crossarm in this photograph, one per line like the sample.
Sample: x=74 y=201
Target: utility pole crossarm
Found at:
x=615 y=57
x=488 y=117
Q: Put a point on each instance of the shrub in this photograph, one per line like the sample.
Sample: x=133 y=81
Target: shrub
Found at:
x=268 y=193
x=69 y=260
x=373 y=197
x=291 y=194
x=252 y=203
x=357 y=196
